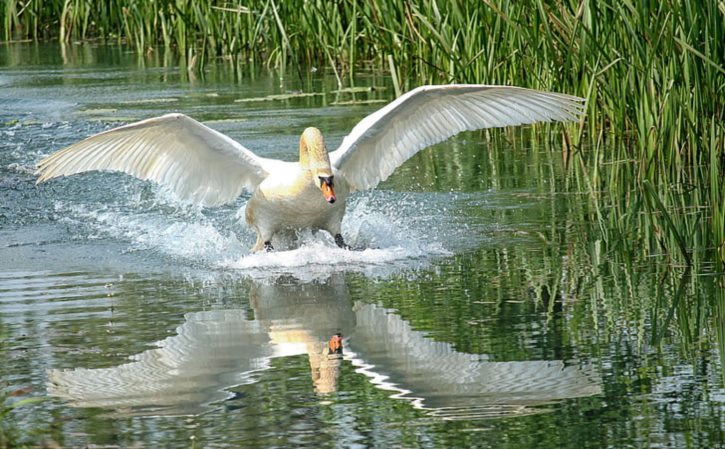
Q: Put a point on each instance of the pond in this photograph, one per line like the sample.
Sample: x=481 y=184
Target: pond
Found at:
x=481 y=309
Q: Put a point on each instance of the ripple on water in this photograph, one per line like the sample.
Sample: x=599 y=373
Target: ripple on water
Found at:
x=46 y=294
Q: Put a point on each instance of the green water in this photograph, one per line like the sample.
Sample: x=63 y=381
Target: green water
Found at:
x=487 y=310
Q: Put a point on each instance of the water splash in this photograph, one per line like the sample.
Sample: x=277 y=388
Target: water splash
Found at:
x=385 y=240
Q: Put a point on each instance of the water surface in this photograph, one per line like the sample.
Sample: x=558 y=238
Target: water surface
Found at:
x=482 y=310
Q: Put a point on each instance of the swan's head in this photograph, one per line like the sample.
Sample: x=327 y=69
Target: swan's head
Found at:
x=314 y=158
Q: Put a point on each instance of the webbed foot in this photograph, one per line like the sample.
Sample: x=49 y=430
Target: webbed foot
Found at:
x=341 y=242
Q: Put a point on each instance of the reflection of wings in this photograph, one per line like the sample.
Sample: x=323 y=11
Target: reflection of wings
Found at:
x=435 y=376
x=216 y=350
x=219 y=349
x=212 y=350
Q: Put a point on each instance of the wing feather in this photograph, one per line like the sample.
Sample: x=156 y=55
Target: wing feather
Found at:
x=198 y=163
x=385 y=139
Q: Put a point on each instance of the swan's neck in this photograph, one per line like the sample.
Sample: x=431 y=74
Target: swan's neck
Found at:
x=313 y=154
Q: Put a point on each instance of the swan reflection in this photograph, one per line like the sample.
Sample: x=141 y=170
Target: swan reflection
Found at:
x=215 y=350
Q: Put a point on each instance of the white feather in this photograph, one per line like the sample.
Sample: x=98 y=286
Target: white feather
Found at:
x=382 y=141
x=198 y=163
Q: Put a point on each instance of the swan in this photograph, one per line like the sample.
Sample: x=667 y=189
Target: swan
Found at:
x=208 y=168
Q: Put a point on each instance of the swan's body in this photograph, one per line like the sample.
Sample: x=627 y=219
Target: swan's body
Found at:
x=290 y=199
x=208 y=168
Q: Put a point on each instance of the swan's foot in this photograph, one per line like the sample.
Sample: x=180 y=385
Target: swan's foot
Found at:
x=341 y=242
x=268 y=246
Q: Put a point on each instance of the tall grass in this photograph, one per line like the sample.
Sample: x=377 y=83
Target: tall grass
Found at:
x=653 y=74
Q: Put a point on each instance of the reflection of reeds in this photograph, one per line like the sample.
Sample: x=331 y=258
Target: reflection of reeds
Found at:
x=603 y=263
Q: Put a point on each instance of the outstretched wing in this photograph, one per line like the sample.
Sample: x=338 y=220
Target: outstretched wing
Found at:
x=383 y=140
x=198 y=163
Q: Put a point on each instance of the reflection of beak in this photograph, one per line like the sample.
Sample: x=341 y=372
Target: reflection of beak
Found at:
x=328 y=192
x=335 y=344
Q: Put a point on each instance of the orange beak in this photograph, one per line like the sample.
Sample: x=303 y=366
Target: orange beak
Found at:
x=328 y=192
x=335 y=344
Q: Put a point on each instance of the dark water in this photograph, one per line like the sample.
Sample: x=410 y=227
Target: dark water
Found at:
x=484 y=313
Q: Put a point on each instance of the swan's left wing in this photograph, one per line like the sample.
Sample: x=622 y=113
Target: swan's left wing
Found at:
x=382 y=141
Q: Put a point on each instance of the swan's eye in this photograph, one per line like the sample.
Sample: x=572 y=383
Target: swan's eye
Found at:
x=326 y=180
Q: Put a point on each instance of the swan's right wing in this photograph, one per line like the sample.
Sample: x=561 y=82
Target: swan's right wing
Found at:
x=198 y=163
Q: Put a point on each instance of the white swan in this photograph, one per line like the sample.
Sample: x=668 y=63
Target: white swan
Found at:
x=206 y=167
